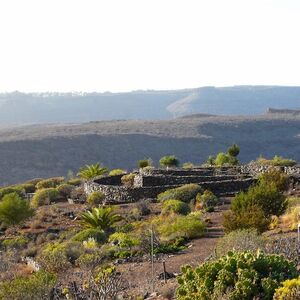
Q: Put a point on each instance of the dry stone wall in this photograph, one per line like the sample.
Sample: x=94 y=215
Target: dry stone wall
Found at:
x=123 y=194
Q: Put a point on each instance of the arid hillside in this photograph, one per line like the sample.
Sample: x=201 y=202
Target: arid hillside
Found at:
x=51 y=150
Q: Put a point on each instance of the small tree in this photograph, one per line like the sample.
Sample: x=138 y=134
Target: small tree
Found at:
x=222 y=159
x=91 y=171
x=143 y=163
x=14 y=210
x=211 y=160
x=169 y=161
x=233 y=150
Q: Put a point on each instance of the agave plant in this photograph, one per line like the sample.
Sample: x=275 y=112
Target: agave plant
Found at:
x=101 y=218
x=91 y=171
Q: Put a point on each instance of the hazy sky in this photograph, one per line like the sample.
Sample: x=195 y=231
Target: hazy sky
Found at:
x=110 y=45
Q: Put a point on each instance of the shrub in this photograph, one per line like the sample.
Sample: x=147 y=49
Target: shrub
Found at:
x=65 y=190
x=291 y=218
x=34 y=181
x=27 y=187
x=14 y=210
x=293 y=202
x=17 y=243
x=237 y=275
x=169 y=161
x=207 y=200
x=233 y=150
x=143 y=163
x=170 y=247
x=252 y=217
x=177 y=226
x=123 y=240
x=11 y=189
x=44 y=196
x=95 y=198
x=78 y=194
x=240 y=240
x=183 y=193
x=266 y=196
x=175 y=206
x=211 y=160
x=275 y=177
x=141 y=208
x=56 y=257
x=50 y=183
x=290 y=290
x=188 y=165
x=116 y=172
x=276 y=161
x=37 y=286
x=74 y=181
x=128 y=179
x=222 y=159
x=97 y=234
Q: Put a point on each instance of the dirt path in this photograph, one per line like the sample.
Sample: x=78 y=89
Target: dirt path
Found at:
x=139 y=274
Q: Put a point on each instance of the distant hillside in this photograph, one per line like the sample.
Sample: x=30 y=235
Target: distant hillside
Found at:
x=20 y=108
x=52 y=150
x=292 y=112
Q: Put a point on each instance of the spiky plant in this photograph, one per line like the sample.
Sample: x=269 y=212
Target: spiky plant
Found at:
x=101 y=218
x=91 y=171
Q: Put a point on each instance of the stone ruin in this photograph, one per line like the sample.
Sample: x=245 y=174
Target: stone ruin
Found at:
x=225 y=181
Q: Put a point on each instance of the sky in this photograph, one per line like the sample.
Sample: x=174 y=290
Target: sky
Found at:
x=124 y=45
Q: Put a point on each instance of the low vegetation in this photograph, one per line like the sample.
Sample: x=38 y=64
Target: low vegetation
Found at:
x=236 y=275
x=70 y=240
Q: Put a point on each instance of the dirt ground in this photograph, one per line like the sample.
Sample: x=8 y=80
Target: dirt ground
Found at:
x=139 y=275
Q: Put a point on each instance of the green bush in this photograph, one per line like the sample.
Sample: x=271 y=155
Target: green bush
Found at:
x=177 y=226
x=117 y=172
x=95 y=198
x=237 y=275
x=74 y=181
x=233 y=150
x=188 y=165
x=44 y=196
x=240 y=240
x=27 y=187
x=37 y=286
x=290 y=290
x=34 y=181
x=124 y=240
x=276 y=161
x=206 y=200
x=183 y=193
x=143 y=163
x=57 y=257
x=16 y=243
x=128 y=179
x=97 y=234
x=11 y=189
x=252 y=217
x=222 y=159
x=275 y=177
x=267 y=196
x=170 y=247
x=169 y=161
x=14 y=210
x=65 y=190
x=211 y=160
x=50 y=183
x=175 y=206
